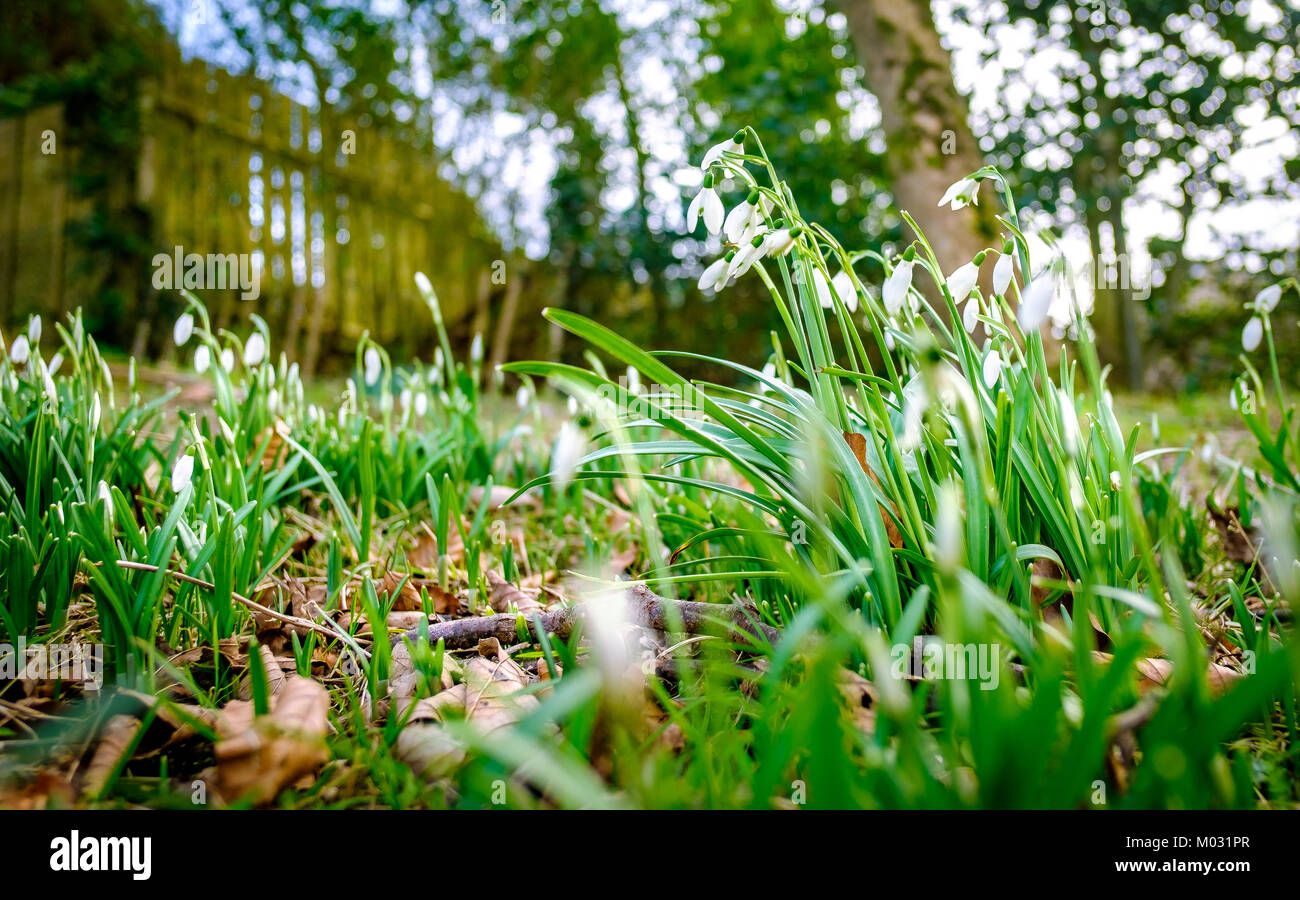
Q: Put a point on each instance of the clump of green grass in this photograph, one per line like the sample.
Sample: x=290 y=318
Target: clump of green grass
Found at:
x=906 y=472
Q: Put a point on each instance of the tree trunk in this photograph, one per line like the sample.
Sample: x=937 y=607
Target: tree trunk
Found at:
x=929 y=140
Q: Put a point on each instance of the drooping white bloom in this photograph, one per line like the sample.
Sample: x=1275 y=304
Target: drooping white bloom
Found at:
x=20 y=351
x=992 y=369
x=779 y=242
x=564 y=458
x=1069 y=423
x=476 y=349
x=572 y=406
x=255 y=349
x=745 y=257
x=742 y=218
x=102 y=492
x=228 y=359
x=1035 y=302
x=822 y=289
x=34 y=330
x=182 y=473
x=273 y=400
x=202 y=359
x=960 y=193
x=1266 y=300
x=843 y=285
x=715 y=274
x=1003 y=271
x=633 y=380
x=714 y=153
x=963 y=281
x=421 y=404
x=183 y=328
x=56 y=363
x=914 y=404
x=896 y=287
x=970 y=315
x=1115 y=481
x=948 y=527
x=96 y=411
x=521 y=397
x=1252 y=334
x=709 y=203
x=374 y=366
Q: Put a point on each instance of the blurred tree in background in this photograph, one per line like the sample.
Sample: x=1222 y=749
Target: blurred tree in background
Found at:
x=577 y=126
x=1128 y=90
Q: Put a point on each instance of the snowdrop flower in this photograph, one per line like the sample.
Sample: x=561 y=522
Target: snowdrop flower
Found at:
x=1069 y=422
x=572 y=406
x=565 y=456
x=970 y=315
x=1266 y=300
x=745 y=258
x=708 y=203
x=202 y=359
x=740 y=219
x=1003 y=272
x=182 y=473
x=1115 y=481
x=521 y=397
x=374 y=366
x=47 y=383
x=896 y=287
x=633 y=381
x=992 y=369
x=1252 y=334
x=822 y=289
x=476 y=349
x=56 y=363
x=733 y=144
x=273 y=400
x=103 y=493
x=779 y=242
x=96 y=410
x=421 y=404
x=20 y=351
x=183 y=328
x=914 y=403
x=34 y=330
x=1035 y=302
x=962 y=281
x=715 y=275
x=255 y=349
x=228 y=359
x=843 y=285
x=960 y=193
x=948 y=527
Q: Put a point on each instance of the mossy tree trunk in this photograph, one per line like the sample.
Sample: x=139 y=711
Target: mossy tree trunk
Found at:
x=928 y=135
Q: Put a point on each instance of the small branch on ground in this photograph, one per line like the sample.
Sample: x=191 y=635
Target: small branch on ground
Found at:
x=647 y=608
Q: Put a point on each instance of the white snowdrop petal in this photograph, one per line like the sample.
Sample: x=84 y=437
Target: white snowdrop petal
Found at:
x=1003 y=272
x=1266 y=300
x=1252 y=334
x=255 y=349
x=182 y=473
x=992 y=369
x=183 y=328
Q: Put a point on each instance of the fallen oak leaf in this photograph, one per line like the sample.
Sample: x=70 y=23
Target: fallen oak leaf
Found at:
x=271 y=752
x=114 y=744
x=858 y=444
x=504 y=596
